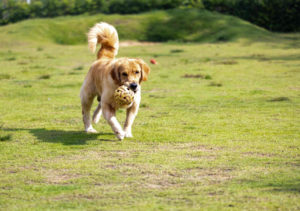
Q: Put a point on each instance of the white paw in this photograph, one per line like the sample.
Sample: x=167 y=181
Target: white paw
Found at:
x=120 y=135
x=128 y=134
x=90 y=130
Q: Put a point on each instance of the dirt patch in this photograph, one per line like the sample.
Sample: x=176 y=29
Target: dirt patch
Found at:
x=205 y=148
x=259 y=154
x=215 y=193
x=296 y=88
x=189 y=146
x=100 y=155
x=22 y=63
x=201 y=157
x=135 y=43
x=67 y=197
x=213 y=176
x=161 y=180
x=59 y=176
x=227 y=62
x=193 y=76
x=294 y=164
x=197 y=76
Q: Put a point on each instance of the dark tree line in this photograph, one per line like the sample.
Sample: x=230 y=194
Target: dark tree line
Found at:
x=13 y=10
x=275 y=15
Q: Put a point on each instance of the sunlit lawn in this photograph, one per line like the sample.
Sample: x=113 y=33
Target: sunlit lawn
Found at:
x=218 y=129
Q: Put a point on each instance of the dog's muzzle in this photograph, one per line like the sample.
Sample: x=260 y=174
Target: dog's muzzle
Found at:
x=133 y=87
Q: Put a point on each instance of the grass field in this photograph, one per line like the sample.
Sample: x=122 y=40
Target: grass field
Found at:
x=218 y=128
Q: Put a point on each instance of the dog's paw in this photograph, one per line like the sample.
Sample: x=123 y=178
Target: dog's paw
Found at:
x=128 y=134
x=90 y=130
x=120 y=135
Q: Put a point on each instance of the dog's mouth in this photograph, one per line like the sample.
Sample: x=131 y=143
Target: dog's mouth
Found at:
x=129 y=88
x=134 y=91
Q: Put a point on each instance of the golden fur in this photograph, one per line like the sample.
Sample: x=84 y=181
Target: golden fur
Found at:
x=105 y=75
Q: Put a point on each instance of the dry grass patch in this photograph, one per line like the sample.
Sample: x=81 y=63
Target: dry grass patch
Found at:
x=226 y=62
x=211 y=175
x=259 y=154
x=61 y=176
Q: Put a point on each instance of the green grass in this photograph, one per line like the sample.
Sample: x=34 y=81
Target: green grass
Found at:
x=218 y=127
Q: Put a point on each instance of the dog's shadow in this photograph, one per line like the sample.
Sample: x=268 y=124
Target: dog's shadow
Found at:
x=63 y=136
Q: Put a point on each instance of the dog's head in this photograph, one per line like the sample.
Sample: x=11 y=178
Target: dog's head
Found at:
x=130 y=72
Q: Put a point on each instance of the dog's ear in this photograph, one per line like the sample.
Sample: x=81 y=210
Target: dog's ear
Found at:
x=115 y=73
x=145 y=70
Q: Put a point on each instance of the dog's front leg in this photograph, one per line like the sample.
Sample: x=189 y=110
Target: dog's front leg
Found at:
x=109 y=114
x=130 y=116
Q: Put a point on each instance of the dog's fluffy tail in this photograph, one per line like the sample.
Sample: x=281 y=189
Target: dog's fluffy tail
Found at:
x=107 y=36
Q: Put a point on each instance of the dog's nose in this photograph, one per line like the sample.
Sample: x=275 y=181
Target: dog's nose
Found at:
x=133 y=86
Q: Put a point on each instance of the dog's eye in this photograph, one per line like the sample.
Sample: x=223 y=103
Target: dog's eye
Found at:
x=124 y=74
x=137 y=72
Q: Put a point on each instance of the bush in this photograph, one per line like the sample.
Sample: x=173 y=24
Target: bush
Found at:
x=13 y=10
x=36 y=9
x=275 y=15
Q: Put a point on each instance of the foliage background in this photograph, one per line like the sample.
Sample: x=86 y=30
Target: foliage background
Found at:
x=274 y=15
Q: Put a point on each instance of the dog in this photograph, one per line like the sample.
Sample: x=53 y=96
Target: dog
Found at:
x=106 y=74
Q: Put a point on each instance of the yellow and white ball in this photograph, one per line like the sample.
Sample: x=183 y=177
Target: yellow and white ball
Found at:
x=123 y=96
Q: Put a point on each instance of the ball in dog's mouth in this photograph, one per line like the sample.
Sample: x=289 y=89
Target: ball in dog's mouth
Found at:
x=123 y=96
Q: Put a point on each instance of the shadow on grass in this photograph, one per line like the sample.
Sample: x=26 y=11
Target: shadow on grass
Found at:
x=62 y=136
x=284 y=185
x=295 y=187
x=291 y=57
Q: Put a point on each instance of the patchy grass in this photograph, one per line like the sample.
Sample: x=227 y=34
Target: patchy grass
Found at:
x=5 y=138
x=278 y=99
x=11 y=59
x=4 y=76
x=78 y=68
x=207 y=77
x=176 y=51
x=193 y=76
x=215 y=84
x=45 y=76
x=195 y=146
x=227 y=62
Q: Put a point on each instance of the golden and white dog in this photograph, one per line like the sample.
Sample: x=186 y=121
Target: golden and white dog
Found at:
x=105 y=75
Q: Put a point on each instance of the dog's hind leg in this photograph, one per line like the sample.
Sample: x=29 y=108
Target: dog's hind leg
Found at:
x=86 y=103
x=97 y=112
